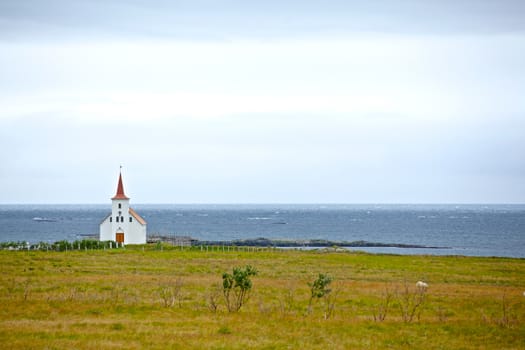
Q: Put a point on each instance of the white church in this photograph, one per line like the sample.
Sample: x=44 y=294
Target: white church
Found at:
x=123 y=225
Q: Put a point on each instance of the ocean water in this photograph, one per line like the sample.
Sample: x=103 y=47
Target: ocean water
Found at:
x=475 y=230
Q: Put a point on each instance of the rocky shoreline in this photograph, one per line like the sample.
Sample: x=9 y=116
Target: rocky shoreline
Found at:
x=284 y=243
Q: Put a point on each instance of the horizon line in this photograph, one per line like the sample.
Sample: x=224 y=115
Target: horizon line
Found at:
x=284 y=203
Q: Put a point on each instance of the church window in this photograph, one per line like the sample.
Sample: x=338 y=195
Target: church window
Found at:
x=111 y=219
x=121 y=219
x=120 y=205
x=130 y=219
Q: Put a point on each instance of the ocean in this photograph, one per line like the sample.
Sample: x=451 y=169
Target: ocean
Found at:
x=472 y=230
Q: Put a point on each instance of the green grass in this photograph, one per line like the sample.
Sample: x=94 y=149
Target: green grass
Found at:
x=111 y=299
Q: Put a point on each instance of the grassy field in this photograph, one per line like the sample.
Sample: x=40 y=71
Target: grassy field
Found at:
x=117 y=299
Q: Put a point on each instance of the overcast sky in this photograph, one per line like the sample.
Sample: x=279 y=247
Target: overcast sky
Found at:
x=262 y=102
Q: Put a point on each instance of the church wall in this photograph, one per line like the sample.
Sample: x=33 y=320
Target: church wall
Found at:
x=105 y=231
x=136 y=233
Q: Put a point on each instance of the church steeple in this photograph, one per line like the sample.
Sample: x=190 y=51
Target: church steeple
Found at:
x=120 y=189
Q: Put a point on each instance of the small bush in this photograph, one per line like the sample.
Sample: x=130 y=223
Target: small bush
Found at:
x=171 y=293
x=411 y=302
x=319 y=289
x=237 y=287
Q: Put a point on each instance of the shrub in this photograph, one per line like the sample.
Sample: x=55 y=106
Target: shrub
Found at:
x=411 y=302
x=319 y=288
x=237 y=287
x=171 y=293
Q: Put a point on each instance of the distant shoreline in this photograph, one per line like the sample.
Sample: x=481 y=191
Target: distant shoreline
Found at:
x=266 y=242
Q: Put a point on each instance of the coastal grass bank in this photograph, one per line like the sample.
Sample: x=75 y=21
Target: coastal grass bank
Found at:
x=172 y=297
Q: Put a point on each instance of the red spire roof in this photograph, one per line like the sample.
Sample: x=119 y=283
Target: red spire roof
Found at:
x=120 y=189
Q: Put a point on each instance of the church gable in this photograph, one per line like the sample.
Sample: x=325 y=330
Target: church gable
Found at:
x=106 y=219
x=137 y=217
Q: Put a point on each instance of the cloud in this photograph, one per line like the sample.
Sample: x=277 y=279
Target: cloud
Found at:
x=150 y=107
x=212 y=20
x=244 y=159
x=419 y=79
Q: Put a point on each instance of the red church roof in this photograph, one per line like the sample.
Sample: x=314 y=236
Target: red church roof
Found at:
x=120 y=189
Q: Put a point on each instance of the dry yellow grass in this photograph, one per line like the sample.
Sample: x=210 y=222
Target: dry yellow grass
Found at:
x=111 y=299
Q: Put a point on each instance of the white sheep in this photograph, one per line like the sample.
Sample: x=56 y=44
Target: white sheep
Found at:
x=421 y=285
